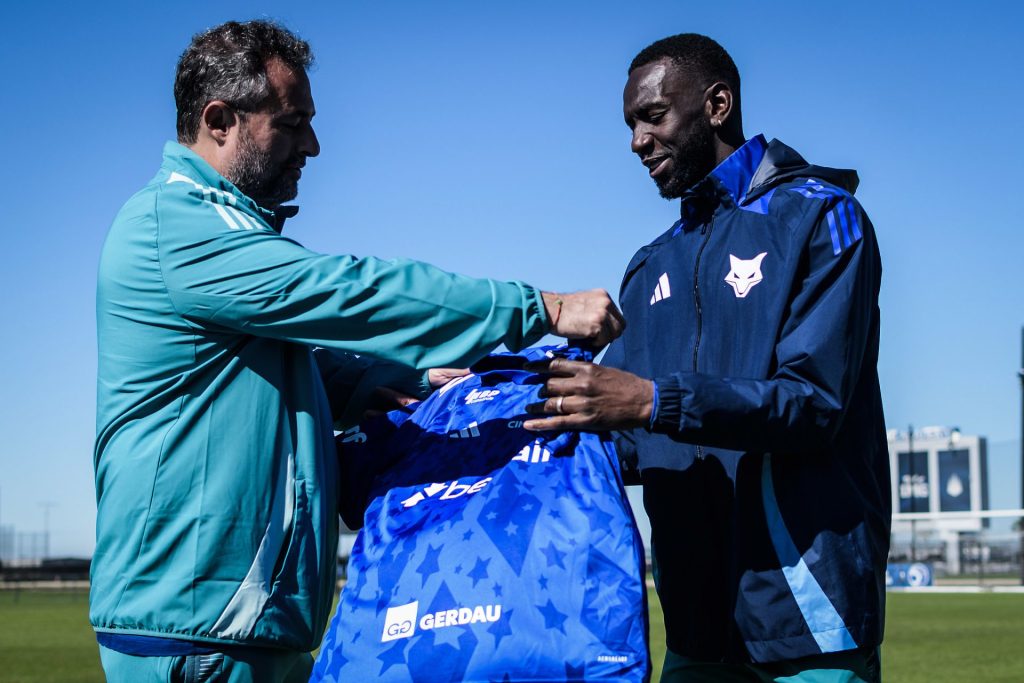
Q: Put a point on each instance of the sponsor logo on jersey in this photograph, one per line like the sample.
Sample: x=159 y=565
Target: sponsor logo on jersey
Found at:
x=468 y=432
x=400 y=622
x=661 y=290
x=481 y=395
x=452 y=490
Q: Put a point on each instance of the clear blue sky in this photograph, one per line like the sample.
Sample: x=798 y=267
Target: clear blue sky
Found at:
x=488 y=138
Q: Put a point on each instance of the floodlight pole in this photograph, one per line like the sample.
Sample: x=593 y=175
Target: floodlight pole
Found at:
x=1020 y=374
x=913 y=493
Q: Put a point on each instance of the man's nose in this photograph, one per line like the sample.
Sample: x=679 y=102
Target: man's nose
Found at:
x=642 y=141
x=310 y=144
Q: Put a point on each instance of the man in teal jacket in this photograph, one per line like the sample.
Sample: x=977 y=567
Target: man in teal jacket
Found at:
x=215 y=467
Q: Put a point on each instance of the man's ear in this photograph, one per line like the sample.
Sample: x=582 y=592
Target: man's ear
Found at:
x=218 y=119
x=718 y=104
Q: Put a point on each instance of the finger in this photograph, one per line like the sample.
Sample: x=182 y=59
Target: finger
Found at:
x=558 y=386
x=558 y=405
x=562 y=367
x=395 y=398
x=560 y=422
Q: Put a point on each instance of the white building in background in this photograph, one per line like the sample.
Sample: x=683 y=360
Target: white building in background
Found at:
x=939 y=470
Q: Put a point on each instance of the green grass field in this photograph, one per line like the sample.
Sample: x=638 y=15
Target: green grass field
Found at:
x=45 y=637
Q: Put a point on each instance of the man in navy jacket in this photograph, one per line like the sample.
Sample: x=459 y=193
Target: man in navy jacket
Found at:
x=745 y=389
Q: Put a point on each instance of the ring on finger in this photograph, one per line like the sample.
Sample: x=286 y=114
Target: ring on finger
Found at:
x=558 y=405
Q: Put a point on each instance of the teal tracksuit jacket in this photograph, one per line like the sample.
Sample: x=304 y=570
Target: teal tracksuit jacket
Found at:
x=216 y=478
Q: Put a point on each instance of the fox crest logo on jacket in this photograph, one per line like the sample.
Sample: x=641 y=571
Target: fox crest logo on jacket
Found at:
x=744 y=274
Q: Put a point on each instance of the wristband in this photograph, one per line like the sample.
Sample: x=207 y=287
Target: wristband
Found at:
x=558 y=313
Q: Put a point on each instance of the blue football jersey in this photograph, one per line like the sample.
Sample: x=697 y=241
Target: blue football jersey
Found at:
x=487 y=553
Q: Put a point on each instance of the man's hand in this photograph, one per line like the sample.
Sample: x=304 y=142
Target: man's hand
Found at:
x=438 y=377
x=584 y=396
x=589 y=315
x=384 y=400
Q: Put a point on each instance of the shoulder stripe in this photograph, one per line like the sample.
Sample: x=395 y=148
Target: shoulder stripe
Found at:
x=836 y=246
x=812 y=189
x=224 y=203
x=224 y=214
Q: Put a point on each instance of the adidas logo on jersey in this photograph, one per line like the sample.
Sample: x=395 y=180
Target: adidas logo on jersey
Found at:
x=481 y=395
x=467 y=432
x=533 y=453
x=400 y=622
x=661 y=290
x=453 y=490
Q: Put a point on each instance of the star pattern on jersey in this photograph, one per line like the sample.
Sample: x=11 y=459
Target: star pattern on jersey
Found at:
x=429 y=564
x=553 y=619
x=502 y=627
x=517 y=537
x=479 y=570
x=553 y=555
x=442 y=653
x=393 y=656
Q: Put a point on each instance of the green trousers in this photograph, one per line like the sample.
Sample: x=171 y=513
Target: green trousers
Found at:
x=855 y=666
x=239 y=666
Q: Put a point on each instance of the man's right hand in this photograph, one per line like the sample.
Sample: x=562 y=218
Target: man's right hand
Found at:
x=590 y=315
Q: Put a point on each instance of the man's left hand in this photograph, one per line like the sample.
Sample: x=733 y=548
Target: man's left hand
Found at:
x=584 y=396
x=438 y=377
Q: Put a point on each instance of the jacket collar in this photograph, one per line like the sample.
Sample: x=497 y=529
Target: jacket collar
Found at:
x=737 y=170
x=732 y=177
x=179 y=158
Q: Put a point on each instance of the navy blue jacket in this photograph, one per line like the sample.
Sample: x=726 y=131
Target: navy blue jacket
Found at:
x=766 y=471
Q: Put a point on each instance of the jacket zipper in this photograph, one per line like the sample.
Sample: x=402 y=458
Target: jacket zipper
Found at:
x=705 y=230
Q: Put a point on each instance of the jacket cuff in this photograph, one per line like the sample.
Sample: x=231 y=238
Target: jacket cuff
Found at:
x=535 y=317
x=668 y=405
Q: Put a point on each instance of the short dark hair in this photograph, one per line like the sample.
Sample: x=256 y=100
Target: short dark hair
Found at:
x=229 y=63
x=696 y=55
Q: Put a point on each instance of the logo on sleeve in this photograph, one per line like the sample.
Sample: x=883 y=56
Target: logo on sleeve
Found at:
x=481 y=396
x=744 y=274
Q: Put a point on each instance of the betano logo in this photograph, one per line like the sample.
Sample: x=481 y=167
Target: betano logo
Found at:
x=455 y=490
x=400 y=622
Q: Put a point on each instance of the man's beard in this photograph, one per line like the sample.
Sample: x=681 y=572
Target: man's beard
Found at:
x=692 y=160
x=255 y=175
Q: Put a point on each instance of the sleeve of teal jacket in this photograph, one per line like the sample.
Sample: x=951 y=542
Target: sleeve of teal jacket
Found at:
x=819 y=353
x=262 y=283
x=349 y=381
